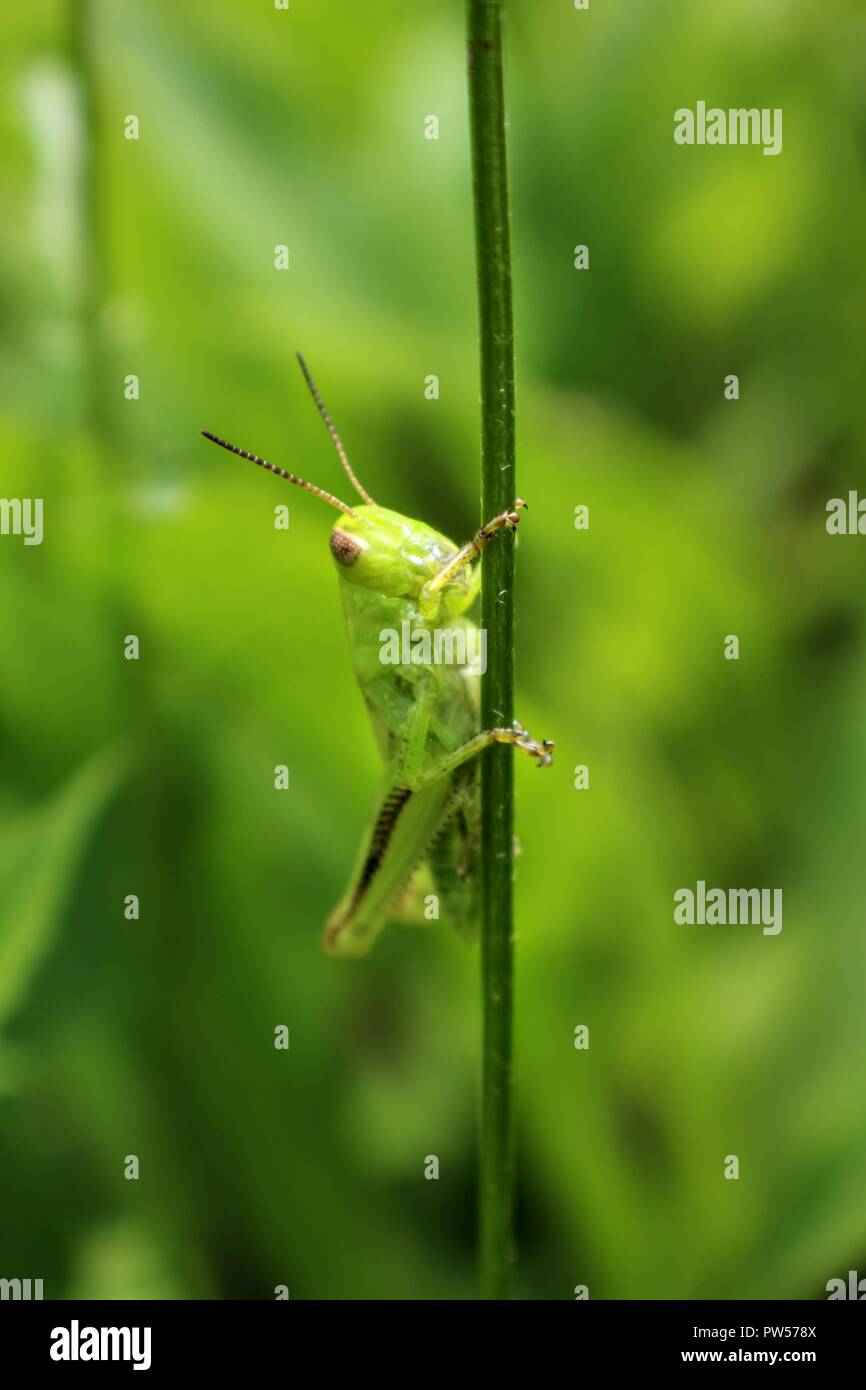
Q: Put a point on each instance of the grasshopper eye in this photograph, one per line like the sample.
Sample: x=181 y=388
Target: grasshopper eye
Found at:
x=345 y=548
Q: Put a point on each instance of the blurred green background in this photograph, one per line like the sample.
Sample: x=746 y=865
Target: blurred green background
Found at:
x=155 y=1037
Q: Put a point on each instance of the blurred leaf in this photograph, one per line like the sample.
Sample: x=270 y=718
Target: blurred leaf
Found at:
x=40 y=851
x=128 y=1259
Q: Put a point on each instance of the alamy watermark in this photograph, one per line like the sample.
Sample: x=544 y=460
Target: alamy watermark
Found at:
x=739 y=125
x=732 y=907
x=77 y=1343
x=22 y=516
x=846 y=517
x=21 y=1289
x=437 y=646
x=854 y=1288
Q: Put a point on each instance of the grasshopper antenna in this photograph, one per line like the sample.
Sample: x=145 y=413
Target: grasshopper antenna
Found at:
x=338 y=443
x=282 y=473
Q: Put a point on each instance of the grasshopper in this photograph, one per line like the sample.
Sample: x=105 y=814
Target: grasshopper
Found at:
x=423 y=830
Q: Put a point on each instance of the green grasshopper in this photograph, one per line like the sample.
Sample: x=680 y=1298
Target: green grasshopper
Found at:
x=424 y=825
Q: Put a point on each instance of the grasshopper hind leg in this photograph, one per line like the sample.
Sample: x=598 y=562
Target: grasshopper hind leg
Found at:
x=410 y=907
x=401 y=827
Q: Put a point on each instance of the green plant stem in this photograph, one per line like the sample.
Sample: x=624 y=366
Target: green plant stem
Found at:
x=498 y=491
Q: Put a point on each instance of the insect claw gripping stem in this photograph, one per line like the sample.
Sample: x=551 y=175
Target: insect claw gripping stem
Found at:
x=521 y=738
x=467 y=553
x=509 y=519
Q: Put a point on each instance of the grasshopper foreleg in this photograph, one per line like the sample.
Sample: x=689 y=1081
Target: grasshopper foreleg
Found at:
x=467 y=553
x=516 y=735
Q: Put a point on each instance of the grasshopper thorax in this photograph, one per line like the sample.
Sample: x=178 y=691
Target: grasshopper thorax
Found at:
x=397 y=556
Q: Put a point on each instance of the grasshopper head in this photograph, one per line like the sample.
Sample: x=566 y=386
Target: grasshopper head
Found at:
x=396 y=556
x=373 y=547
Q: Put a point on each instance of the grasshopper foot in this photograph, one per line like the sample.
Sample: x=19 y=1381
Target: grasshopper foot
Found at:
x=512 y=518
x=521 y=738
